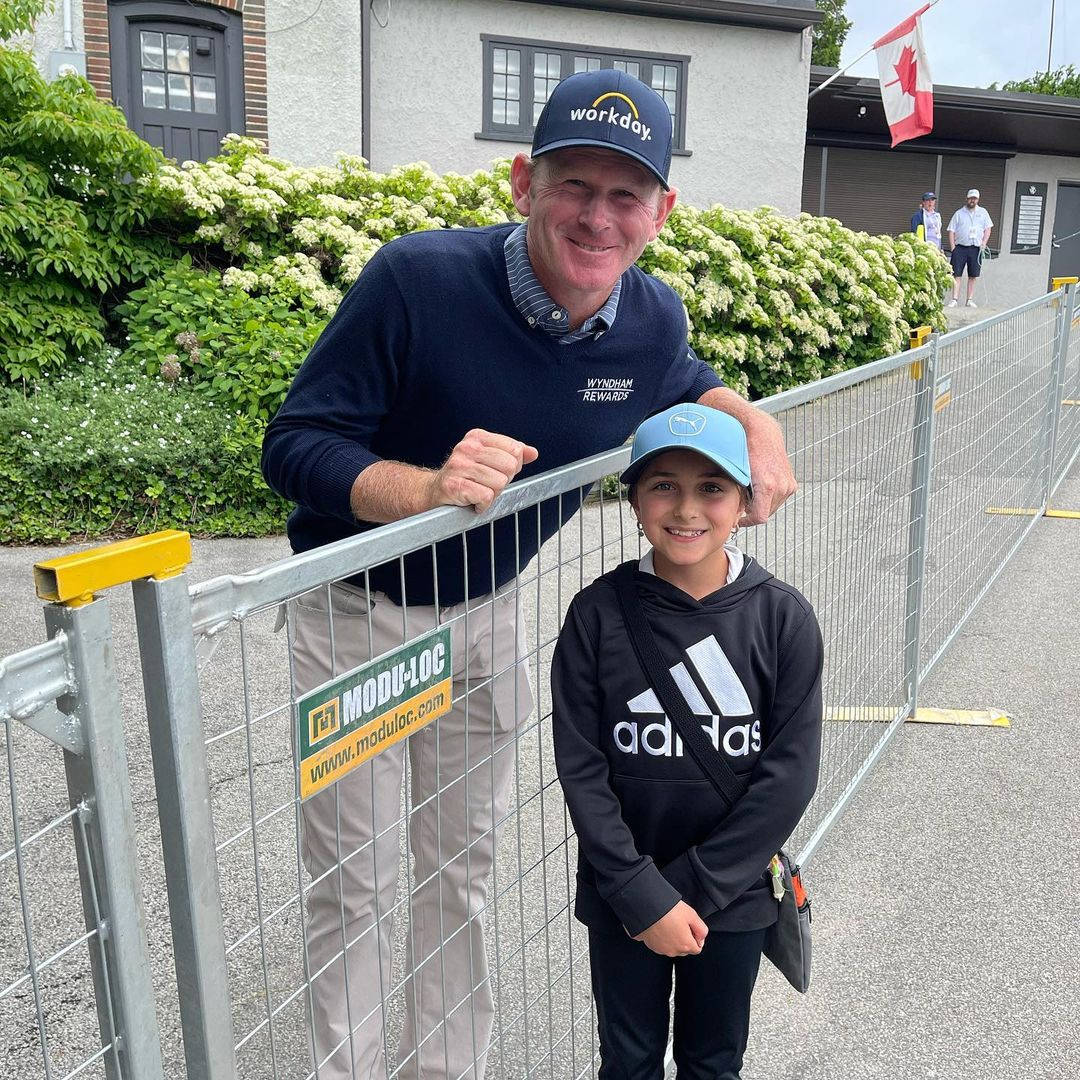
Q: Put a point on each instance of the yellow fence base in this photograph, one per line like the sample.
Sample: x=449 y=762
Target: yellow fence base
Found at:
x=960 y=717
x=1027 y=511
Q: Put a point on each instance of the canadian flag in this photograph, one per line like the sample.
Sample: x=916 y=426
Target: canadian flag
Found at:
x=907 y=91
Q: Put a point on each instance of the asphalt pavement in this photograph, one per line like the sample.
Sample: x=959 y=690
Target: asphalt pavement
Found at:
x=945 y=919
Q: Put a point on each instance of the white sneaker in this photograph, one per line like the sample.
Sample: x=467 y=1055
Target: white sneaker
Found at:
x=971 y=303
x=952 y=302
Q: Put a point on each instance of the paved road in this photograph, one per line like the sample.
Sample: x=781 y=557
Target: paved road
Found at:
x=944 y=927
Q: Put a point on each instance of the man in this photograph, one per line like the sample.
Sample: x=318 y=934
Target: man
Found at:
x=930 y=220
x=969 y=230
x=459 y=360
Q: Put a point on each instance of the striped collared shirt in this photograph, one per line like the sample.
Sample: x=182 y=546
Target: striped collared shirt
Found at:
x=538 y=309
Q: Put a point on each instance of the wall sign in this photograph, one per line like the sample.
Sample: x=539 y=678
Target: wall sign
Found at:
x=1029 y=212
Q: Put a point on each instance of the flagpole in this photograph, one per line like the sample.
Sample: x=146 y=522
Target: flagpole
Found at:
x=847 y=67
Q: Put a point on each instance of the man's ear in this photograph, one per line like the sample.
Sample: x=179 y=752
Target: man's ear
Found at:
x=664 y=205
x=521 y=170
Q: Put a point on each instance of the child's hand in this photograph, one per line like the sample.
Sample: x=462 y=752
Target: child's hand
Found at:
x=680 y=932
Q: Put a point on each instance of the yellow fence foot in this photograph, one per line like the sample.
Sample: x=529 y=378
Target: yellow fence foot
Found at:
x=1027 y=511
x=883 y=714
x=962 y=717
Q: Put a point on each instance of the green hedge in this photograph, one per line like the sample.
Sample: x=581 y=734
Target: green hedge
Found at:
x=107 y=451
x=213 y=281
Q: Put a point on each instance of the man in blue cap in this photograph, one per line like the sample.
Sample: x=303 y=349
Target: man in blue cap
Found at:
x=460 y=360
x=928 y=217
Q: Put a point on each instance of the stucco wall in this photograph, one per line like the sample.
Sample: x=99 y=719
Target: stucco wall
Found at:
x=313 y=79
x=1012 y=279
x=48 y=34
x=746 y=92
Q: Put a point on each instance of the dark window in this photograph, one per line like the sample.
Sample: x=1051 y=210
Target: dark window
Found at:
x=519 y=76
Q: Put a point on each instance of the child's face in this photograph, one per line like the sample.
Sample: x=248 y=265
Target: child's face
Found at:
x=687 y=506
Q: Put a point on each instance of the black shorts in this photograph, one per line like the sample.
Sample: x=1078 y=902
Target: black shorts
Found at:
x=965 y=255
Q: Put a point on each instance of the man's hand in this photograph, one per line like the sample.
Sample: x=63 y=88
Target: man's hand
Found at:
x=478 y=468
x=680 y=932
x=770 y=470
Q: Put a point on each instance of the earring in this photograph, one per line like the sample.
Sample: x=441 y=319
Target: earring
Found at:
x=640 y=530
x=734 y=534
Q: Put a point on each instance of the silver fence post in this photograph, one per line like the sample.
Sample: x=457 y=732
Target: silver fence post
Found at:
x=100 y=790
x=177 y=743
x=1057 y=386
x=922 y=441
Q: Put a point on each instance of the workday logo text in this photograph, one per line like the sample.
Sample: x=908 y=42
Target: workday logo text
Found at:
x=630 y=121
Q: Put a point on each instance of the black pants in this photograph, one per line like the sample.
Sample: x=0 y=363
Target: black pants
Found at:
x=632 y=986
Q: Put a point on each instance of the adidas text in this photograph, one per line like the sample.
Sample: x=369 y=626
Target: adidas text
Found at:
x=659 y=739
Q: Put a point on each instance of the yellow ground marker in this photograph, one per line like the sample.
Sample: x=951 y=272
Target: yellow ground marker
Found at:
x=1068 y=401
x=959 y=717
x=73 y=579
x=1027 y=511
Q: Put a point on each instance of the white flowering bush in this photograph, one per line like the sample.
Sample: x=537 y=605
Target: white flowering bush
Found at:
x=775 y=302
x=231 y=269
x=772 y=301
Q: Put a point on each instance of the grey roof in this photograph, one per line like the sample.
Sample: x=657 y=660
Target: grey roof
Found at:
x=965 y=117
x=766 y=14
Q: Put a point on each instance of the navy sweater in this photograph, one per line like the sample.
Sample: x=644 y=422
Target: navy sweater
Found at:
x=651 y=827
x=426 y=346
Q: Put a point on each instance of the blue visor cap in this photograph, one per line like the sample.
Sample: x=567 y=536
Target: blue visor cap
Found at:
x=714 y=434
x=608 y=109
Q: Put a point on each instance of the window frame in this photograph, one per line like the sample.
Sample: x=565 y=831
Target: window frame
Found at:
x=529 y=47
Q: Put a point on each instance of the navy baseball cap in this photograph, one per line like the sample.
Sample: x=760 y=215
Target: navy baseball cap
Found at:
x=928 y=195
x=612 y=110
x=715 y=434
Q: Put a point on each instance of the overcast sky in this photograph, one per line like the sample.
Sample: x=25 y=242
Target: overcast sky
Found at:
x=971 y=42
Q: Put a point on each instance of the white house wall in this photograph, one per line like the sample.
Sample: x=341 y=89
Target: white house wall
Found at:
x=746 y=91
x=1016 y=278
x=48 y=34
x=313 y=79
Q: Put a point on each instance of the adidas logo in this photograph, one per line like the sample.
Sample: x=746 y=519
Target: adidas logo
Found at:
x=725 y=688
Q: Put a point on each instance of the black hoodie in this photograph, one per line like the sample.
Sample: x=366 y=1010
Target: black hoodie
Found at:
x=651 y=828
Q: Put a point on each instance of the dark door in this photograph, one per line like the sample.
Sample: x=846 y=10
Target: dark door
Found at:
x=178 y=90
x=1065 y=248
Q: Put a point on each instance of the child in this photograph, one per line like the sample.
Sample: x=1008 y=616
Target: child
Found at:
x=669 y=879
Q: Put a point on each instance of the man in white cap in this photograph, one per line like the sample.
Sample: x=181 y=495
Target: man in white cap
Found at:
x=969 y=230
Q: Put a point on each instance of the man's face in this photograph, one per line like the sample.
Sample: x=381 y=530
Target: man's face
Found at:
x=929 y=204
x=972 y=201
x=591 y=212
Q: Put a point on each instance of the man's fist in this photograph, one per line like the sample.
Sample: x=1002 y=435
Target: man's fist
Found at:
x=478 y=468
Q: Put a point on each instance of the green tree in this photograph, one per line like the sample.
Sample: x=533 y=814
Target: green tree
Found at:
x=72 y=211
x=1063 y=81
x=829 y=34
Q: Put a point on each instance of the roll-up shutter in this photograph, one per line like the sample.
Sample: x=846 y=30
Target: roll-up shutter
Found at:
x=876 y=191
x=811 y=180
x=958 y=174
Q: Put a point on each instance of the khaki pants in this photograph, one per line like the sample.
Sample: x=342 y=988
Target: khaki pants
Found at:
x=460 y=769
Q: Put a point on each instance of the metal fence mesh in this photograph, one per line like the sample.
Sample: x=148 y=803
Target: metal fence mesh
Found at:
x=989 y=455
x=46 y=980
x=893 y=539
x=1068 y=432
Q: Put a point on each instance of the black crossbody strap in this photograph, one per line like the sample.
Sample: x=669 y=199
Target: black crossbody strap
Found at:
x=729 y=786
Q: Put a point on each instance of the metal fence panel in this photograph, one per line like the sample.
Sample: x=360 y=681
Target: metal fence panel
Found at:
x=75 y=933
x=1067 y=448
x=444 y=937
x=994 y=385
